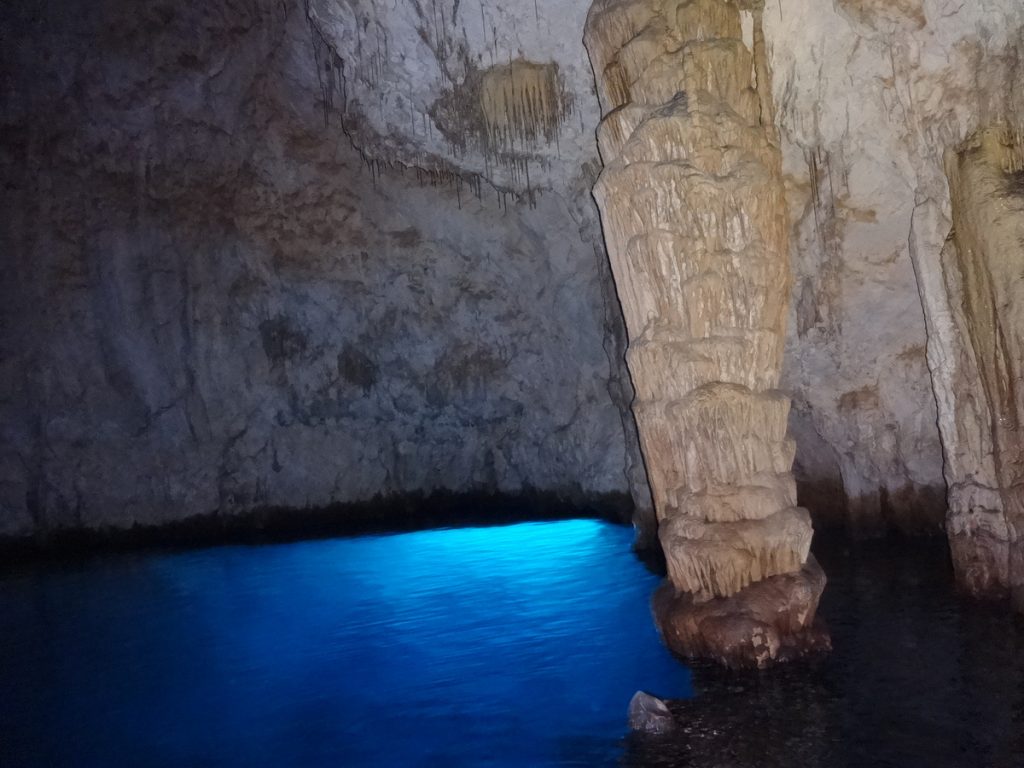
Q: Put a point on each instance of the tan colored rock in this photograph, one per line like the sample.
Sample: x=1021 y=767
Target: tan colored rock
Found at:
x=986 y=292
x=674 y=368
x=708 y=559
x=771 y=621
x=763 y=497
x=870 y=93
x=695 y=221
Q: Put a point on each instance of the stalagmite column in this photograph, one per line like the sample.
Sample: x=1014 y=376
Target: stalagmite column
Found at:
x=695 y=222
x=982 y=271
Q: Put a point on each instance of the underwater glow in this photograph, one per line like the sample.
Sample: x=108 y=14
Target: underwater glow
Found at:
x=514 y=645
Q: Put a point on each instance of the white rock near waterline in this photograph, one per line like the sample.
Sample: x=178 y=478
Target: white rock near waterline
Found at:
x=649 y=714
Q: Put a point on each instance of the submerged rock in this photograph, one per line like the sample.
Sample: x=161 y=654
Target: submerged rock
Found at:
x=649 y=714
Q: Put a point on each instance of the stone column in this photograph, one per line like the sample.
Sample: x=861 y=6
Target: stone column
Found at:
x=695 y=221
x=981 y=269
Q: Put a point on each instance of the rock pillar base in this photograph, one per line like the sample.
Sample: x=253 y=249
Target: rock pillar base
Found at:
x=769 y=621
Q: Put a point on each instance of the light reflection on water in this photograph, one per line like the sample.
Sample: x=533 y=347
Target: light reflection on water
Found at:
x=517 y=645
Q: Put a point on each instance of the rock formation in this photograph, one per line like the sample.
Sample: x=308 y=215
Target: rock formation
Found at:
x=871 y=97
x=267 y=254
x=436 y=103
x=695 y=222
x=982 y=268
x=214 y=302
x=649 y=715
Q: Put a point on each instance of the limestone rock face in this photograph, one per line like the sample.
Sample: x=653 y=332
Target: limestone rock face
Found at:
x=501 y=90
x=223 y=219
x=872 y=97
x=982 y=267
x=869 y=96
x=695 y=221
x=213 y=301
x=650 y=715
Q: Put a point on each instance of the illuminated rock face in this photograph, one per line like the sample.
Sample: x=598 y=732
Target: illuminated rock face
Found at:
x=213 y=301
x=871 y=97
x=981 y=269
x=695 y=223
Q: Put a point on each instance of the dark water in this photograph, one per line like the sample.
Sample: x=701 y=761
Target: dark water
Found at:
x=918 y=677
x=518 y=645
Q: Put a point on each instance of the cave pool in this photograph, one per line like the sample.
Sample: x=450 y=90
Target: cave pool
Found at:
x=515 y=645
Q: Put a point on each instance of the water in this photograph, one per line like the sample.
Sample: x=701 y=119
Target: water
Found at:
x=919 y=678
x=515 y=646
x=518 y=645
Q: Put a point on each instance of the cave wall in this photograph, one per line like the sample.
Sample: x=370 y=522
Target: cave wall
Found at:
x=213 y=300
x=981 y=267
x=870 y=95
x=216 y=299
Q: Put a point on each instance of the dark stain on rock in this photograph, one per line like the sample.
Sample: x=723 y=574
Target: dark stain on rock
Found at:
x=355 y=367
x=282 y=340
x=406 y=238
x=190 y=62
x=807 y=314
x=864 y=399
x=465 y=371
x=1015 y=183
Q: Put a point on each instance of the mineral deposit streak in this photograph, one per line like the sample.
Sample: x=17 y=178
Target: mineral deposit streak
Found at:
x=981 y=270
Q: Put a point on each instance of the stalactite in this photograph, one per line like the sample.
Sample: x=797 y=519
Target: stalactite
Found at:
x=521 y=102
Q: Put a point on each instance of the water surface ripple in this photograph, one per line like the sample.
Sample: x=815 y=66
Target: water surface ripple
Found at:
x=509 y=646
x=513 y=645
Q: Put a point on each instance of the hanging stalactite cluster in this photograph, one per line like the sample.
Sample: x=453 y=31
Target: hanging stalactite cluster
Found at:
x=521 y=102
x=524 y=111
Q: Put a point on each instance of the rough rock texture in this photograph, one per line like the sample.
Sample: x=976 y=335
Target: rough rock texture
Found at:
x=870 y=95
x=213 y=301
x=650 y=715
x=212 y=298
x=500 y=89
x=982 y=268
x=770 y=621
x=695 y=222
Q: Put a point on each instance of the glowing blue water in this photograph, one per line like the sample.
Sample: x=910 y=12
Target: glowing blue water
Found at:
x=518 y=645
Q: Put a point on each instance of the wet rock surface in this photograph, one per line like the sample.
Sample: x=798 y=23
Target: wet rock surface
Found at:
x=919 y=677
x=772 y=620
x=649 y=714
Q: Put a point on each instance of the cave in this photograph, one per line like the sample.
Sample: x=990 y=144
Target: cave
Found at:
x=603 y=382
